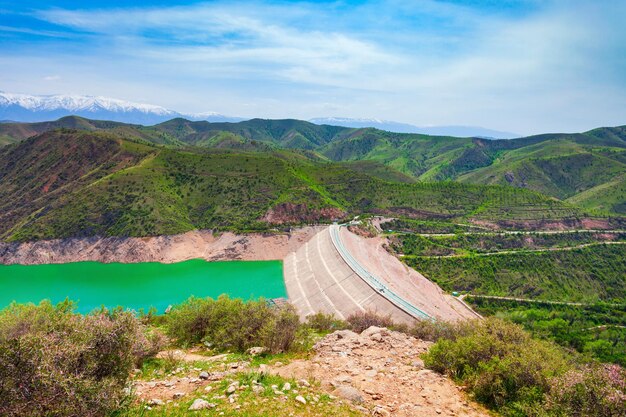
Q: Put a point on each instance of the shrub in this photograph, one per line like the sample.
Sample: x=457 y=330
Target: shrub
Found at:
x=233 y=324
x=500 y=363
x=435 y=330
x=362 y=320
x=593 y=390
x=54 y=362
x=322 y=322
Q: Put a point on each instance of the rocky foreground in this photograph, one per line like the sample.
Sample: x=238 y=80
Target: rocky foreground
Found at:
x=375 y=373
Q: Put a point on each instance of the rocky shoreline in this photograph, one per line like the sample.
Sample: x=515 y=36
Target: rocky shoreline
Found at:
x=200 y=244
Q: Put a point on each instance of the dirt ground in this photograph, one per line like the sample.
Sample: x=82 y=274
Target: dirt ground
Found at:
x=378 y=372
x=381 y=370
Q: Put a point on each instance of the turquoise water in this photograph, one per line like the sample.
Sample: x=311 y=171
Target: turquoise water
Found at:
x=140 y=285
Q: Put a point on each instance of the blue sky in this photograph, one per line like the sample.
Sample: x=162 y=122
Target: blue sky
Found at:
x=526 y=66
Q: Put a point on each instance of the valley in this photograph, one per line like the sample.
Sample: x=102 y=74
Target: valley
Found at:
x=437 y=237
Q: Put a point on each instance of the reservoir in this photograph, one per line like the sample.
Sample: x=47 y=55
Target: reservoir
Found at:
x=139 y=285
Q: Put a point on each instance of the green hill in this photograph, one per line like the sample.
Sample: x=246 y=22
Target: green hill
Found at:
x=76 y=183
x=586 y=169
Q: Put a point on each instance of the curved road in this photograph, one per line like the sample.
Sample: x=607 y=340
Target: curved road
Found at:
x=372 y=280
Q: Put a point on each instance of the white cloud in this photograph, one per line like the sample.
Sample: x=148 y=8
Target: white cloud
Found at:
x=423 y=62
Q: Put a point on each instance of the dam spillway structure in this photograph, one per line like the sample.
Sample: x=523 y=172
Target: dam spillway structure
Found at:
x=338 y=272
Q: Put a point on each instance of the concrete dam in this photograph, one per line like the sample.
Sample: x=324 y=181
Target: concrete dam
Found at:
x=338 y=272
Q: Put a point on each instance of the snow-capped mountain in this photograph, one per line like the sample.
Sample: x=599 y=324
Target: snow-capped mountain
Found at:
x=458 y=131
x=39 y=108
x=32 y=108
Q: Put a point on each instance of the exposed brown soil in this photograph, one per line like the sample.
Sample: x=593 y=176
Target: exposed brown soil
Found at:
x=412 y=213
x=565 y=224
x=286 y=213
x=201 y=244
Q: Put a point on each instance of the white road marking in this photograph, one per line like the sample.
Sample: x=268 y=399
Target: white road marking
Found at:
x=306 y=253
x=297 y=278
x=319 y=250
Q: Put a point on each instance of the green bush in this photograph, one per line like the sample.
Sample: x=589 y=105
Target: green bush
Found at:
x=503 y=366
x=322 y=322
x=362 y=320
x=232 y=324
x=594 y=390
x=54 y=362
x=436 y=330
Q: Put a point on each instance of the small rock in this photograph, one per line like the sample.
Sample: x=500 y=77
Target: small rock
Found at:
x=381 y=411
x=287 y=386
x=208 y=388
x=278 y=364
x=178 y=395
x=257 y=389
x=348 y=393
x=304 y=383
x=300 y=399
x=199 y=404
x=204 y=375
x=231 y=390
x=438 y=411
x=154 y=402
x=257 y=350
x=417 y=363
x=344 y=378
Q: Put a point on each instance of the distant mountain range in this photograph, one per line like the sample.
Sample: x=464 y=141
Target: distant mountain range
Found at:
x=31 y=108
x=40 y=108
x=390 y=126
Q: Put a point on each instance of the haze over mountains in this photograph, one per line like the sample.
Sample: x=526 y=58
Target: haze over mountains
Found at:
x=390 y=126
x=39 y=108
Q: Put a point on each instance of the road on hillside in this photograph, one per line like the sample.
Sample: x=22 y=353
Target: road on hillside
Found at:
x=511 y=252
x=373 y=281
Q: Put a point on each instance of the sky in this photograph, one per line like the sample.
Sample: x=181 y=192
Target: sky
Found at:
x=525 y=66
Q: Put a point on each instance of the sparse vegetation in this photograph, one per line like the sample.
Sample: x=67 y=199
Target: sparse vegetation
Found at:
x=54 y=362
x=80 y=365
x=232 y=324
x=503 y=366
